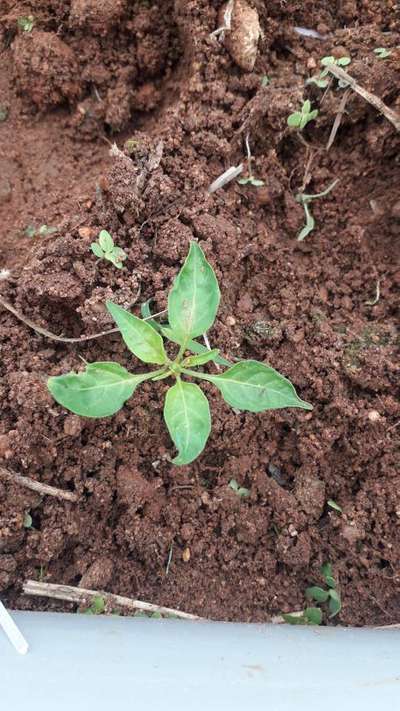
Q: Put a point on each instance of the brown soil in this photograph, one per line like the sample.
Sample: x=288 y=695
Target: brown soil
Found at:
x=90 y=73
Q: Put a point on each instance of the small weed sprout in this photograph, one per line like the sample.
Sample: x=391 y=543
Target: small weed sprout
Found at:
x=329 y=595
x=102 y=388
x=300 y=119
x=26 y=23
x=42 y=231
x=382 y=53
x=304 y=199
x=313 y=615
x=28 y=522
x=320 y=80
x=265 y=80
x=309 y=616
x=3 y=113
x=333 y=505
x=239 y=490
x=97 y=607
x=250 y=180
x=105 y=248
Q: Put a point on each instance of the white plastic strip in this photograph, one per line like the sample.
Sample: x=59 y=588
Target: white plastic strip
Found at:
x=12 y=631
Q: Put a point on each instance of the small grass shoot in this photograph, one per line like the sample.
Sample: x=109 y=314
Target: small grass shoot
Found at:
x=305 y=199
x=105 y=248
x=300 y=119
x=239 y=490
x=320 y=595
x=26 y=23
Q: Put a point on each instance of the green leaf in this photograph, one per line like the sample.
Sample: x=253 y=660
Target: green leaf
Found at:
x=312 y=115
x=335 y=603
x=295 y=119
x=325 y=61
x=193 y=346
x=253 y=386
x=327 y=572
x=334 y=505
x=194 y=298
x=97 y=250
x=239 y=490
x=116 y=257
x=98 y=391
x=294 y=619
x=244 y=181
x=317 y=594
x=106 y=242
x=257 y=183
x=28 y=521
x=30 y=231
x=98 y=605
x=187 y=416
x=343 y=61
x=140 y=338
x=306 y=107
x=203 y=358
x=146 y=314
x=310 y=616
x=313 y=615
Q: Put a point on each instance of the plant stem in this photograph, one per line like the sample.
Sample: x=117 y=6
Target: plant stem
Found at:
x=201 y=376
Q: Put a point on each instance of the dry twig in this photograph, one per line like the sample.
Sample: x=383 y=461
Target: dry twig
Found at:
x=338 y=118
x=85 y=597
x=372 y=99
x=44 y=332
x=38 y=486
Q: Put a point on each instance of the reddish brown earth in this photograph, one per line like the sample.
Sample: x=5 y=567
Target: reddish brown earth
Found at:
x=90 y=73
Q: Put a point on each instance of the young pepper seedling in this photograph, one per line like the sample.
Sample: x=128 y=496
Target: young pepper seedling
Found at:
x=102 y=388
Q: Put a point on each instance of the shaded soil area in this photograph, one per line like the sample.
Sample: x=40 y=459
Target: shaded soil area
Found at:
x=322 y=311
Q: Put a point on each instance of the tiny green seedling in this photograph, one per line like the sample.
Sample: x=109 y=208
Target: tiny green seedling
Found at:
x=313 y=615
x=97 y=607
x=28 y=522
x=103 y=388
x=105 y=248
x=265 y=80
x=320 y=80
x=333 y=505
x=239 y=490
x=331 y=595
x=250 y=180
x=309 y=616
x=26 y=23
x=42 y=231
x=3 y=113
x=300 y=119
x=304 y=199
x=382 y=53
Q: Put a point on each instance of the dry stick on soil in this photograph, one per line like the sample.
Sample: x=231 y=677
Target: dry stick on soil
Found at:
x=38 y=486
x=84 y=597
x=44 y=332
x=372 y=99
x=338 y=118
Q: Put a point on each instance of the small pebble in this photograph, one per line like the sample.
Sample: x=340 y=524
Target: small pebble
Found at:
x=374 y=416
x=86 y=232
x=230 y=321
x=186 y=555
